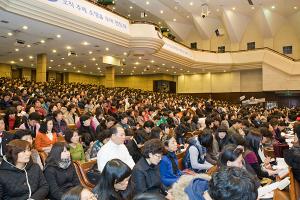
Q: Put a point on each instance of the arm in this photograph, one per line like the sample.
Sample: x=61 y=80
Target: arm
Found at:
x=138 y=181
x=166 y=173
x=194 y=153
x=43 y=188
x=54 y=188
x=128 y=159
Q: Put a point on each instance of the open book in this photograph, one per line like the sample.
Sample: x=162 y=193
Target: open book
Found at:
x=264 y=191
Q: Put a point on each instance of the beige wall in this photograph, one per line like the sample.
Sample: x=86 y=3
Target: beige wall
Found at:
x=286 y=35
x=83 y=78
x=144 y=82
x=5 y=70
x=26 y=73
x=239 y=81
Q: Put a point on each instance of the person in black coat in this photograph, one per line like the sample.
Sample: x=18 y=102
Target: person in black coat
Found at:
x=292 y=156
x=145 y=174
x=5 y=138
x=20 y=178
x=59 y=171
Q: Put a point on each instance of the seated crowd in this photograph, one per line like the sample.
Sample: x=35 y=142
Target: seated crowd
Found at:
x=146 y=145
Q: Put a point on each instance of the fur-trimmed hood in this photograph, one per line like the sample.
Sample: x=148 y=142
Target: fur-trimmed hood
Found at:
x=187 y=183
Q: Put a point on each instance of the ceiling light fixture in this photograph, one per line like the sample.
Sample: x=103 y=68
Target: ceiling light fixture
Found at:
x=131 y=7
x=152 y=61
x=28 y=45
x=161 y=12
x=30 y=57
x=68 y=47
x=50 y=67
x=273 y=7
x=90 y=52
x=233 y=8
x=252 y=7
x=69 y=64
x=93 y=59
x=191 y=3
x=51 y=60
x=42 y=41
x=295 y=7
x=125 y=53
x=58 y=36
x=25 y=27
x=106 y=49
x=174 y=20
x=147 y=2
x=12 y=62
x=21 y=59
x=54 y=51
x=16 y=49
x=85 y=43
x=9 y=34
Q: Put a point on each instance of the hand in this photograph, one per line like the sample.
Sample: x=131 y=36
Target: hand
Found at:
x=169 y=196
x=271 y=172
x=267 y=160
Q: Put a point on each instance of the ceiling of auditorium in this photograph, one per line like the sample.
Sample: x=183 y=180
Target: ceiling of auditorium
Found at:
x=184 y=17
x=232 y=15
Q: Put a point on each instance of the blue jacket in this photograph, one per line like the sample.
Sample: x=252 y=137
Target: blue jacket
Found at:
x=196 y=189
x=167 y=176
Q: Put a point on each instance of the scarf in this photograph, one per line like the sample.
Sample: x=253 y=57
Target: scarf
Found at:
x=64 y=163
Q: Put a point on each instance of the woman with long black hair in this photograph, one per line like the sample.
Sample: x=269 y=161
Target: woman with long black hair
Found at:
x=59 y=171
x=113 y=182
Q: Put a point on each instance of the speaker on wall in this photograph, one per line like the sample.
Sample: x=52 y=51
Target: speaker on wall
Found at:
x=219 y=32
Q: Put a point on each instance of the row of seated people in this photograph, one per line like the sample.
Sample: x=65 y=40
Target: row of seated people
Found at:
x=144 y=116
x=145 y=176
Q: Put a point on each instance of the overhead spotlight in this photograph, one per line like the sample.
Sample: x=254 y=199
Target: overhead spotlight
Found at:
x=25 y=27
x=58 y=36
x=9 y=34
x=273 y=7
x=54 y=51
x=42 y=41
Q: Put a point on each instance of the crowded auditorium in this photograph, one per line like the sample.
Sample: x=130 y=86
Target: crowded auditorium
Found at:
x=149 y=99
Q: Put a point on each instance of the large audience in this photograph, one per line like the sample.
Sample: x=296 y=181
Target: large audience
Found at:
x=136 y=137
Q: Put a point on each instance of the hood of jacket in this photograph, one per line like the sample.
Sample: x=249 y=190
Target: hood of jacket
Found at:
x=185 y=184
x=6 y=165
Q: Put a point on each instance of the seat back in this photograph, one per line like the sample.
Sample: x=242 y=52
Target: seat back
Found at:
x=180 y=165
x=294 y=186
x=269 y=151
x=82 y=169
x=212 y=170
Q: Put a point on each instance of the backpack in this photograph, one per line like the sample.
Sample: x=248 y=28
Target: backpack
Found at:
x=186 y=161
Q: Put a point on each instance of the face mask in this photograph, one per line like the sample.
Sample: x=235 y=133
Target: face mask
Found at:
x=64 y=163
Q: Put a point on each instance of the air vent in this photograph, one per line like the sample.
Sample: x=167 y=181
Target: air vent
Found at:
x=3 y=36
x=49 y=39
x=250 y=2
x=4 y=21
x=36 y=43
x=96 y=46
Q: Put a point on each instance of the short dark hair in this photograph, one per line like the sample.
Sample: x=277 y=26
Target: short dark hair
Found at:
x=43 y=127
x=57 y=112
x=14 y=147
x=149 y=124
x=229 y=153
x=297 y=129
x=74 y=193
x=21 y=133
x=103 y=135
x=34 y=116
x=69 y=134
x=152 y=146
x=232 y=183
x=264 y=131
x=54 y=156
x=155 y=133
x=206 y=138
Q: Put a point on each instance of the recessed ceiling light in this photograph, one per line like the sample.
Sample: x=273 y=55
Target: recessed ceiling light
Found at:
x=122 y=69
x=58 y=65
x=142 y=72
x=62 y=58
x=273 y=7
x=31 y=65
x=176 y=8
x=78 y=71
x=51 y=60
x=114 y=8
x=16 y=49
x=161 y=12
x=131 y=7
x=167 y=70
x=140 y=57
x=123 y=59
x=128 y=15
x=173 y=67
x=125 y=53
x=121 y=72
x=147 y=2
x=174 y=72
x=158 y=68
x=134 y=67
x=25 y=27
x=233 y=8
x=12 y=62
x=163 y=64
x=21 y=59
x=53 y=50
x=218 y=9
x=224 y=71
x=68 y=47
x=30 y=57
x=159 y=22
x=98 y=68
x=181 y=69
x=65 y=69
x=90 y=52
x=42 y=41
x=136 y=63
x=152 y=61
x=96 y=64
x=106 y=49
x=188 y=16
x=9 y=34
x=174 y=20
x=295 y=7
x=69 y=64
x=252 y=7
x=93 y=59
x=154 y=71
x=28 y=45
x=58 y=36
x=191 y=3
x=85 y=43
x=50 y=67
x=188 y=71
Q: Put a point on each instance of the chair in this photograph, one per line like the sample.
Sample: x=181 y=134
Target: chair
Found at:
x=180 y=164
x=294 y=186
x=180 y=155
x=82 y=169
x=212 y=170
x=43 y=156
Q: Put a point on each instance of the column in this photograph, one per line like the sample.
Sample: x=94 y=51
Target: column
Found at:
x=110 y=76
x=41 y=68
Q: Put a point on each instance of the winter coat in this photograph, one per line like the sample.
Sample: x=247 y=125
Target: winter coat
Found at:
x=16 y=185
x=168 y=175
x=60 y=180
